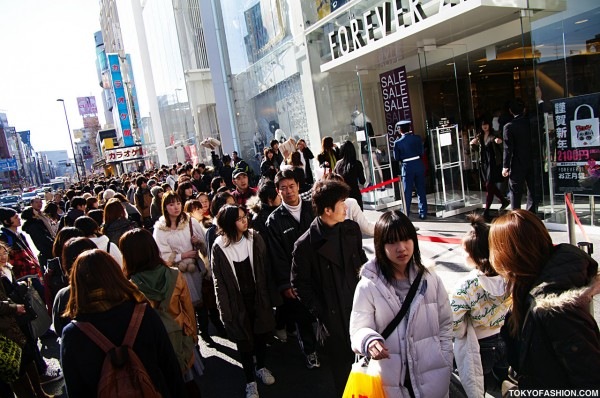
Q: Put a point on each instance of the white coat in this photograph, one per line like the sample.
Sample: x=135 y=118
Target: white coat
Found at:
x=355 y=214
x=102 y=243
x=426 y=332
x=172 y=243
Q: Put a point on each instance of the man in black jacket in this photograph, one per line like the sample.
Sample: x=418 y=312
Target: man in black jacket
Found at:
x=285 y=225
x=325 y=265
x=517 y=162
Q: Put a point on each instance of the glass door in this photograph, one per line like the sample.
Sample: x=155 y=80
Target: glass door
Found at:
x=449 y=113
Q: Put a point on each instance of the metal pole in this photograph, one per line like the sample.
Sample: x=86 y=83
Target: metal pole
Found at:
x=570 y=219
x=70 y=138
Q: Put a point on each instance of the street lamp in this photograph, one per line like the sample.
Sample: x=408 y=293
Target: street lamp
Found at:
x=70 y=138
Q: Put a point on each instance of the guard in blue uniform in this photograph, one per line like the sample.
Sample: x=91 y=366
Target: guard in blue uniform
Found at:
x=408 y=149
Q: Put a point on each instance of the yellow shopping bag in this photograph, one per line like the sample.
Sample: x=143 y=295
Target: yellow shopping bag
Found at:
x=362 y=384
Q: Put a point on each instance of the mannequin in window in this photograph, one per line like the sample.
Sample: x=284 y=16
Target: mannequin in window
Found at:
x=362 y=122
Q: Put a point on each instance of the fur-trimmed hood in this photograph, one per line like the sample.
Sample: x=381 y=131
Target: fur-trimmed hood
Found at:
x=570 y=278
x=162 y=224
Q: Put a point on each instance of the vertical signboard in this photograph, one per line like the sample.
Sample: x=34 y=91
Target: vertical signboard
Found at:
x=577 y=144
x=135 y=110
x=120 y=98
x=396 y=101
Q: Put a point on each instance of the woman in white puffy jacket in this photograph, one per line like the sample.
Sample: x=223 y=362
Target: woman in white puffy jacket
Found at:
x=179 y=237
x=416 y=359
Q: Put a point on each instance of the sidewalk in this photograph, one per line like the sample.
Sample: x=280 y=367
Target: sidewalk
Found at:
x=447 y=258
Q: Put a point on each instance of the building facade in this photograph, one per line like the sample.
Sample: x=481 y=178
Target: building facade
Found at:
x=352 y=69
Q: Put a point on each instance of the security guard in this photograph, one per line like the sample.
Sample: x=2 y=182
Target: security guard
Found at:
x=408 y=149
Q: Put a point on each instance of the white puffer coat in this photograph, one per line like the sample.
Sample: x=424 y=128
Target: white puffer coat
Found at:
x=172 y=243
x=426 y=331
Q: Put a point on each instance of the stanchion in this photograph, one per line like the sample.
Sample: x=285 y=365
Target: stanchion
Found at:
x=570 y=217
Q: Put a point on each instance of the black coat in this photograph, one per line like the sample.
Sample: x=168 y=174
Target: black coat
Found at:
x=518 y=147
x=239 y=326
x=490 y=159
x=308 y=157
x=352 y=176
x=82 y=360
x=268 y=169
x=283 y=231
x=559 y=345
x=41 y=237
x=69 y=218
x=324 y=277
x=117 y=228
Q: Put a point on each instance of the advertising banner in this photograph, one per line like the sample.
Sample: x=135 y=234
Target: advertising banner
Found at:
x=123 y=154
x=25 y=137
x=396 y=101
x=577 y=144
x=87 y=105
x=9 y=164
x=120 y=98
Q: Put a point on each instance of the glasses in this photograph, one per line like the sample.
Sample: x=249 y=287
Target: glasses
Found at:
x=244 y=217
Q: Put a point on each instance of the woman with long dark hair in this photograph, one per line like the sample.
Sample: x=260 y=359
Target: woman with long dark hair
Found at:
x=329 y=154
x=115 y=222
x=185 y=190
x=553 y=340
x=416 y=358
x=102 y=297
x=294 y=163
x=307 y=157
x=239 y=264
x=179 y=237
x=351 y=170
x=72 y=248
x=490 y=164
x=268 y=166
x=166 y=289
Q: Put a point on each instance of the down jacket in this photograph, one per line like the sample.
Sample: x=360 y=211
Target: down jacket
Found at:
x=426 y=331
x=173 y=242
x=559 y=345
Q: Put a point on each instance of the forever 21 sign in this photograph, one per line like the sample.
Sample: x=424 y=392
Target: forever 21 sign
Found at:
x=388 y=18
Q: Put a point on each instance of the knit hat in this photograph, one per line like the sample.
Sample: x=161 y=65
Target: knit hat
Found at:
x=108 y=194
x=156 y=190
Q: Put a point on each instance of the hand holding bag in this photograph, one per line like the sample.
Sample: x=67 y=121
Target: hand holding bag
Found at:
x=365 y=383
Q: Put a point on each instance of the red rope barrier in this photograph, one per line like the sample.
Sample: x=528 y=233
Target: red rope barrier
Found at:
x=572 y=209
x=381 y=184
x=440 y=239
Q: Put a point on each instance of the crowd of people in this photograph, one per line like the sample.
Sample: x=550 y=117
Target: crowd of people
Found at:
x=145 y=263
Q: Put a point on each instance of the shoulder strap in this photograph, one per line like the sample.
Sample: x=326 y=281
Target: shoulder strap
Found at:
x=94 y=334
x=134 y=324
x=108 y=247
x=105 y=344
x=191 y=229
x=404 y=309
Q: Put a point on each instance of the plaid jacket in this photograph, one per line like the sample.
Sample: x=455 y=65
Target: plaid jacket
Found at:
x=21 y=257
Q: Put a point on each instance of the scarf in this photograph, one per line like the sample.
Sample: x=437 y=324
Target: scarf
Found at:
x=100 y=302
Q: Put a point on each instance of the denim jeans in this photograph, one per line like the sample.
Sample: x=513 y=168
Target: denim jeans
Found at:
x=493 y=360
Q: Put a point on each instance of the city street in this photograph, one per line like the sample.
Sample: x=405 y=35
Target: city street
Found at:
x=223 y=375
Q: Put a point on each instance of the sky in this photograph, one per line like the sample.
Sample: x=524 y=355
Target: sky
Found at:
x=47 y=52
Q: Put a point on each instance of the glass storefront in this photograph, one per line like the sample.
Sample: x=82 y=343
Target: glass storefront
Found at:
x=457 y=71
